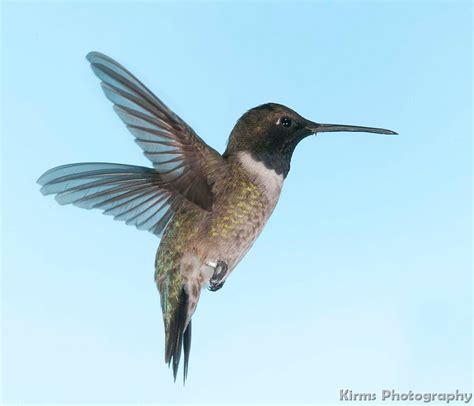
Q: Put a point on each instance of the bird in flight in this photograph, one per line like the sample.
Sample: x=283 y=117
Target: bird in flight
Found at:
x=207 y=208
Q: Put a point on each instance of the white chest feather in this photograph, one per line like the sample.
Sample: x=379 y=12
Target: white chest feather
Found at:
x=266 y=178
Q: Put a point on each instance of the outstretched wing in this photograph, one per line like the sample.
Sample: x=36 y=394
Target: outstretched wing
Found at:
x=132 y=194
x=184 y=161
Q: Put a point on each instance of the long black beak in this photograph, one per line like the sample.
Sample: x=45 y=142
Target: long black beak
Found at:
x=328 y=128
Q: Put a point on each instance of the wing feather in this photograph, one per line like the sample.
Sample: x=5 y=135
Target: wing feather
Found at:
x=185 y=167
x=129 y=193
x=179 y=155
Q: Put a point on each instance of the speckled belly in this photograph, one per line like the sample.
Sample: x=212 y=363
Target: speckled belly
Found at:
x=237 y=222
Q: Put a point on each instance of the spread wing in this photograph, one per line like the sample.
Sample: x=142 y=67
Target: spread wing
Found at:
x=185 y=167
x=183 y=160
x=128 y=193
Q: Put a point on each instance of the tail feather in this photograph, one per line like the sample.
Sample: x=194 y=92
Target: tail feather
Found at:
x=187 y=350
x=178 y=333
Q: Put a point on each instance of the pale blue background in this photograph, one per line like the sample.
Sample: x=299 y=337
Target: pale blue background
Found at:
x=362 y=278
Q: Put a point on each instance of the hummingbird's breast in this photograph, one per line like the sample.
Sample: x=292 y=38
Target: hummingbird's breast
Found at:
x=241 y=209
x=243 y=202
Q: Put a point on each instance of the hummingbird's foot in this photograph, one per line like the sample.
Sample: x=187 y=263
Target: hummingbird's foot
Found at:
x=217 y=279
x=215 y=287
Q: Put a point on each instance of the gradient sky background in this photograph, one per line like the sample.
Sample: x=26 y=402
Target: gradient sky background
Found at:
x=362 y=277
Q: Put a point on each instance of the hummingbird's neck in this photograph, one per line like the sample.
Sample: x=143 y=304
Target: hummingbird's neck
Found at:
x=267 y=178
x=271 y=161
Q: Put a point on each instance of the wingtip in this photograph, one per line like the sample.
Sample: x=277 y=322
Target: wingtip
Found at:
x=42 y=179
x=97 y=57
x=45 y=178
x=94 y=55
x=44 y=184
x=91 y=56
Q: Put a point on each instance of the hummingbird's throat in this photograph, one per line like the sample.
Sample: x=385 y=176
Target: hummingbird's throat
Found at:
x=266 y=177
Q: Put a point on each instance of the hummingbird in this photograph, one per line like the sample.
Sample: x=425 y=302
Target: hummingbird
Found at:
x=207 y=208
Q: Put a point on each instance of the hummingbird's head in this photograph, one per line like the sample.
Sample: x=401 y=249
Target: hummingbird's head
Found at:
x=270 y=133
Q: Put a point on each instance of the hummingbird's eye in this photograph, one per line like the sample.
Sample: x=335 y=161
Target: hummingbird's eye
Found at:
x=285 y=122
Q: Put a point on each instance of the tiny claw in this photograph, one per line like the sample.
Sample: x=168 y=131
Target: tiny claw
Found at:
x=218 y=278
x=215 y=287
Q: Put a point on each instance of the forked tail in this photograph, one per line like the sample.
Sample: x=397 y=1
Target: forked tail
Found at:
x=178 y=336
